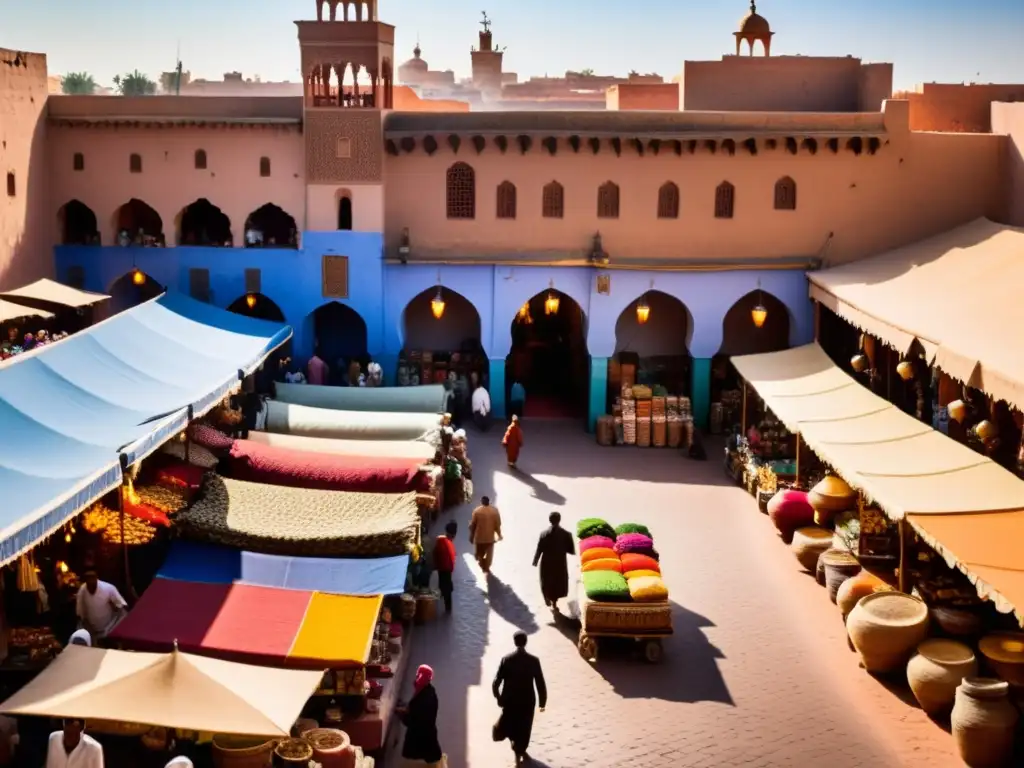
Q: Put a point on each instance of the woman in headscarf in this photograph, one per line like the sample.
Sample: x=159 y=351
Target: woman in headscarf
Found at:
x=420 y=720
x=180 y=762
x=81 y=637
x=513 y=441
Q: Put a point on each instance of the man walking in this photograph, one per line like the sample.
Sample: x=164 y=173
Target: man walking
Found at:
x=553 y=546
x=444 y=563
x=484 y=530
x=518 y=674
x=481 y=404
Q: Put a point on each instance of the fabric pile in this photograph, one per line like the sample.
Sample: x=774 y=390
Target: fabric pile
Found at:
x=619 y=564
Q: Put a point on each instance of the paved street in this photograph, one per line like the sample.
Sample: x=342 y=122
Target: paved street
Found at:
x=758 y=673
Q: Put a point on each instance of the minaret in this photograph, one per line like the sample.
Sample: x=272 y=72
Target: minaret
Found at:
x=487 y=61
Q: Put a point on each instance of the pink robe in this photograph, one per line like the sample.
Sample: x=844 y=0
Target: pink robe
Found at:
x=317 y=371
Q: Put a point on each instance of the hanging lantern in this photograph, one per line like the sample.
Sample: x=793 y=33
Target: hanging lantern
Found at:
x=551 y=304
x=250 y=300
x=643 y=312
x=957 y=411
x=138 y=276
x=905 y=370
x=986 y=430
x=437 y=305
x=524 y=311
x=859 y=363
x=759 y=314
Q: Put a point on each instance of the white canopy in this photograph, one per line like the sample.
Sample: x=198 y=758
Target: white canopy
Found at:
x=53 y=292
x=11 y=311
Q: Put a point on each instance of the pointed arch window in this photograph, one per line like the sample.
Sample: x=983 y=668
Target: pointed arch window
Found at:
x=608 y=201
x=200 y=160
x=135 y=163
x=264 y=167
x=460 y=191
x=725 y=200
x=78 y=161
x=668 y=201
x=785 y=194
x=506 y=200
x=553 y=202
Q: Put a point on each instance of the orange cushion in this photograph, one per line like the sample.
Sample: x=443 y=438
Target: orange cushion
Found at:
x=604 y=564
x=598 y=553
x=631 y=561
x=640 y=573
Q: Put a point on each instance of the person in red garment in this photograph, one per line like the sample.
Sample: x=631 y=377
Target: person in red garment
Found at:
x=513 y=441
x=444 y=563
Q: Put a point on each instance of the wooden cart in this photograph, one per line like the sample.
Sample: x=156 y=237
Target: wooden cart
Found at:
x=646 y=623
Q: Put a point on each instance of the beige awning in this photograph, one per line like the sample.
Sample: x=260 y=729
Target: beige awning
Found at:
x=958 y=294
x=52 y=292
x=12 y=311
x=171 y=690
x=966 y=506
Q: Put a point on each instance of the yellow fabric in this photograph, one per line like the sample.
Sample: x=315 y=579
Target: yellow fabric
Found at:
x=957 y=293
x=337 y=629
x=641 y=573
x=646 y=589
x=604 y=564
x=598 y=553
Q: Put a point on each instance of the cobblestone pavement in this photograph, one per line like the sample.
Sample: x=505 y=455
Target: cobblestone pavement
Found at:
x=758 y=672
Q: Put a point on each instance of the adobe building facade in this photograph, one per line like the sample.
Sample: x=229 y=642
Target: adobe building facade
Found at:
x=370 y=212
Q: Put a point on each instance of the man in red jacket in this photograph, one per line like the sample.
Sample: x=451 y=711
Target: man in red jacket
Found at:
x=444 y=562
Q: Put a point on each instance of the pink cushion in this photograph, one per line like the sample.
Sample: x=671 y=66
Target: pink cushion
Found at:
x=209 y=437
x=595 y=541
x=633 y=542
x=789 y=510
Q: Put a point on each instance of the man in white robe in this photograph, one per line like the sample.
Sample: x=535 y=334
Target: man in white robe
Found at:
x=99 y=606
x=73 y=748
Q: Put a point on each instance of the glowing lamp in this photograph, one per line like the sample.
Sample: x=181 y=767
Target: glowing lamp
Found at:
x=62 y=566
x=437 y=305
x=859 y=363
x=250 y=300
x=905 y=370
x=524 y=311
x=551 y=304
x=957 y=411
x=643 y=312
x=759 y=314
x=986 y=430
x=138 y=276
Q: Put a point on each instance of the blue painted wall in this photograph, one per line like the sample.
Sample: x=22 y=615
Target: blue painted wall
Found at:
x=380 y=292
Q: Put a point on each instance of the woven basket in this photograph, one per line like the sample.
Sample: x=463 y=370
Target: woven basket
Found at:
x=643 y=433
x=239 y=752
x=675 y=434
x=659 y=432
x=628 y=429
x=626 y=617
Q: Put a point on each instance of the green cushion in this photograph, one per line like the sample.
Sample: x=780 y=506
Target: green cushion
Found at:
x=632 y=528
x=594 y=526
x=607 y=586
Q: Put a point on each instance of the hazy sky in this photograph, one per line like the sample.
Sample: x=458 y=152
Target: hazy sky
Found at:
x=940 y=40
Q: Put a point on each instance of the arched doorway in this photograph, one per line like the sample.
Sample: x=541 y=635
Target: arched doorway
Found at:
x=345 y=212
x=652 y=337
x=549 y=356
x=741 y=336
x=136 y=223
x=78 y=224
x=125 y=293
x=339 y=334
x=270 y=227
x=262 y=307
x=435 y=346
x=204 y=224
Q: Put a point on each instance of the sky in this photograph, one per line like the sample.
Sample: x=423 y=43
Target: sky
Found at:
x=928 y=41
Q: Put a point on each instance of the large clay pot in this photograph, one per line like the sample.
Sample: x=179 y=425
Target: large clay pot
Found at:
x=984 y=722
x=293 y=753
x=1004 y=655
x=957 y=622
x=839 y=566
x=936 y=671
x=789 y=510
x=808 y=544
x=331 y=748
x=856 y=587
x=830 y=497
x=885 y=628
x=242 y=752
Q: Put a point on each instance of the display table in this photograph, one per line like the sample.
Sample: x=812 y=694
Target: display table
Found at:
x=371 y=730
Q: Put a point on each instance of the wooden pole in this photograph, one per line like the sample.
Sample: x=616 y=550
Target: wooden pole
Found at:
x=743 y=412
x=817 y=321
x=124 y=546
x=903 y=555
x=797 y=459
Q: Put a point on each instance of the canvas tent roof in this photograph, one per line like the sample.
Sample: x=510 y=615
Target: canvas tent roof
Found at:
x=52 y=292
x=11 y=311
x=968 y=309
x=70 y=410
x=905 y=466
x=174 y=690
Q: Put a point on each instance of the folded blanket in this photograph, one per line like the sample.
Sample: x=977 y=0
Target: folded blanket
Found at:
x=632 y=542
x=606 y=586
x=598 y=553
x=603 y=564
x=632 y=561
x=594 y=542
x=630 y=575
x=647 y=589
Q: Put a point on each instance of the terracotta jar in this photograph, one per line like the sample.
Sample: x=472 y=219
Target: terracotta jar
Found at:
x=789 y=510
x=830 y=497
x=957 y=622
x=839 y=566
x=936 y=671
x=856 y=587
x=885 y=628
x=984 y=722
x=1004 y=655
x=331 y=748
x=808 y=544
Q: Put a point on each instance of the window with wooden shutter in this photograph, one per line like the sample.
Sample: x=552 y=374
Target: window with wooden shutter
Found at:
x=785 y=194
x=200 y=160
x=135 y=163
x=460 y=191
x=199 y=284
x=264 y=167
x=76 y=277
x=253 y=280
x=78 y=162
x=725 y=199
x=668 y=201
x=608 y=201
x=334 y=273
x=506 y=200
x=553 y=203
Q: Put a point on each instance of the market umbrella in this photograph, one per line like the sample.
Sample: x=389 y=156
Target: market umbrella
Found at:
x=170 y=690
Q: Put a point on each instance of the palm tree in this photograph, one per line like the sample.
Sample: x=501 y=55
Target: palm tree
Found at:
x=78 y=83
x=134 y=84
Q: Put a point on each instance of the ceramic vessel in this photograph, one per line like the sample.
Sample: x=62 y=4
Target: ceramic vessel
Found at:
x=832 y=495
x=839 y=566
x=984 y=722
x=1004 y=655
x=857 y=587
x=957 y=622
x=331 y=748
x=808 y=544
x=789 y=510
x=936 y=671
x=885 y=628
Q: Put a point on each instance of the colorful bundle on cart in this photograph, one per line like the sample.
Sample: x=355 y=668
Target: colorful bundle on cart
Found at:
x=619 y=564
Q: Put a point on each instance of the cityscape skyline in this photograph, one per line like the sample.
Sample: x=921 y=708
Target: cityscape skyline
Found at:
x=926 y=41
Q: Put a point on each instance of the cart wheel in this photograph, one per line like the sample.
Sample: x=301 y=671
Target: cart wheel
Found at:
x=653 y=651
x=587 y=647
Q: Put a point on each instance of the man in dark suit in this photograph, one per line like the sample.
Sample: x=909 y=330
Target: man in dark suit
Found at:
x=518 y=674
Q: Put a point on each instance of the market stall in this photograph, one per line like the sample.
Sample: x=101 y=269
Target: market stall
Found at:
x=646 y=417
x=399 y=449
x=301 y=420
x=296 y=521
x=423 y=399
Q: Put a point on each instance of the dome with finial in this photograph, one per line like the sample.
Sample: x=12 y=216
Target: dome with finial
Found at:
x=753 y=24
x=416 y=63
